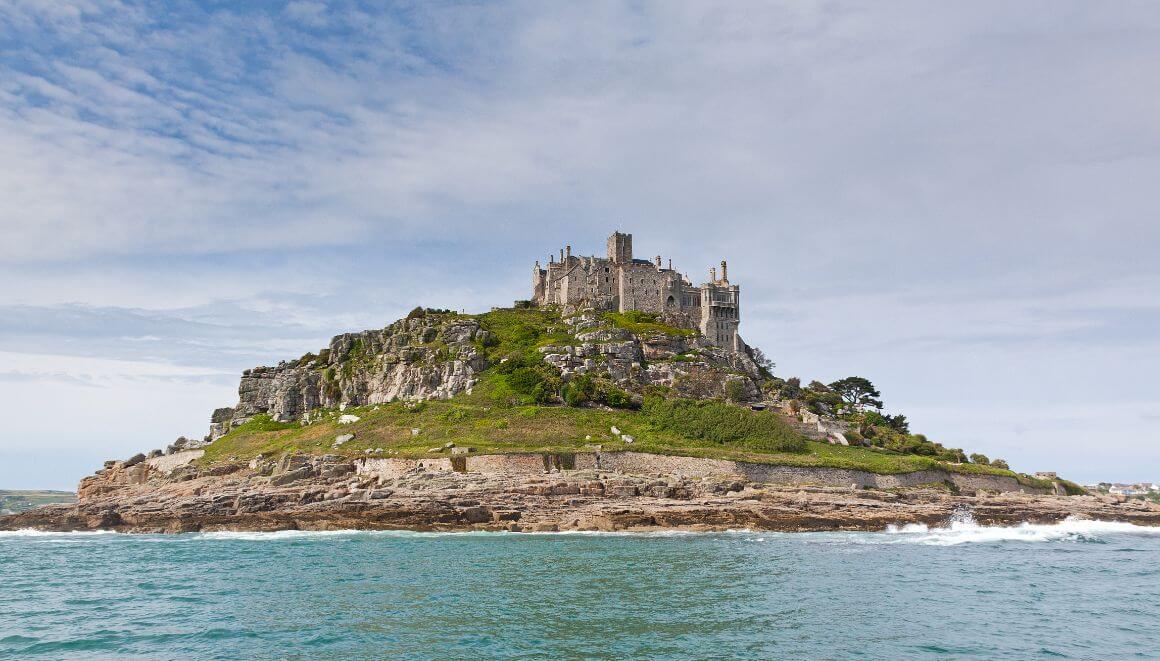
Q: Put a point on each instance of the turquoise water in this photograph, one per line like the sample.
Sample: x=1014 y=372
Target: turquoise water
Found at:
x=1076 y=590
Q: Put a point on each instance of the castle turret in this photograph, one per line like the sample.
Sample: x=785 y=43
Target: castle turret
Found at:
x=620 y=248
x=621 y=283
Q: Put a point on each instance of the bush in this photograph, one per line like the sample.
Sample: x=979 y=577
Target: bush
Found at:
x=980 y=459
x=999 y=463
x=735 y=390
x=583 y=389
x=417 y=313
x=722 y=423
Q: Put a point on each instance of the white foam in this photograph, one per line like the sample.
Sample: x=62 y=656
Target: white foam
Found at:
x=964 y=530
x=30 y=532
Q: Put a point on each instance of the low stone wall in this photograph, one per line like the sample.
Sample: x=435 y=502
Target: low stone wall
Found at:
x=640 y=463
x=167 y=463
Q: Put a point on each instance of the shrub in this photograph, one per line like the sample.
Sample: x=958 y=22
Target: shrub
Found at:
x=735 y=390
x=583 y=388
x=722 y=423
x=417 y=313
x=980 y=459
x=999 y=463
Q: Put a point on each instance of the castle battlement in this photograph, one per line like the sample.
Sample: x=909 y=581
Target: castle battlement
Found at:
x=621 y=283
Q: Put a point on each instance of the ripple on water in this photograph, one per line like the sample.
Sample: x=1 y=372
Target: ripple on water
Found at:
x=962 y=590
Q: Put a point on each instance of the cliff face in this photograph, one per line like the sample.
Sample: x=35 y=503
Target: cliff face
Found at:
x=440 y=355
x=537 y=492
x=412 y=359
x=688 y=363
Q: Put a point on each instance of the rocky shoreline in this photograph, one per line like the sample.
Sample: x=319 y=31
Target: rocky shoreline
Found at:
x=302 y=492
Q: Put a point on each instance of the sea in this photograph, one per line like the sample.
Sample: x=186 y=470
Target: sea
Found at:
x=1077 y=589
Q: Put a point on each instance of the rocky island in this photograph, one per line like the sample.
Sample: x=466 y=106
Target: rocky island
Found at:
x=619 y=397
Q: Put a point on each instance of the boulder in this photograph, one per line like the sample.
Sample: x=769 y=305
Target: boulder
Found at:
x=291 y=476
x=134 y=460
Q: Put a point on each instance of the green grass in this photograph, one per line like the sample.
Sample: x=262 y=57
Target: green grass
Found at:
x=19 y=500
x=643 y=323
x=522 y=331
x=499 y=416
x=473 y=420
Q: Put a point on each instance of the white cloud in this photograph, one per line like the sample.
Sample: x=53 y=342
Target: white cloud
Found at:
x=923 y=193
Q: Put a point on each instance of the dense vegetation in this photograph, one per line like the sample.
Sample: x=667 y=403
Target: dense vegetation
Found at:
x=522 y=404
x=856 y=401
x=722 y=423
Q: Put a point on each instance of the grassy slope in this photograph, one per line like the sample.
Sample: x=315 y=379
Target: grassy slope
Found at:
x=495 y=429
x=20 y=500
x=484 y=422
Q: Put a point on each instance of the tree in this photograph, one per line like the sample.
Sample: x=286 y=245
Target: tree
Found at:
x=763 y=362
x=792 y=388
x=980 y=459
x=999 y=463
x=857 y=392
x=898 y=423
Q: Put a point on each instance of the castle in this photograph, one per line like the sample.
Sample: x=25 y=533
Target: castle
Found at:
x=619 y=282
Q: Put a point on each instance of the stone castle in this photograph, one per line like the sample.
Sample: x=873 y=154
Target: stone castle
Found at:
x=620 y=283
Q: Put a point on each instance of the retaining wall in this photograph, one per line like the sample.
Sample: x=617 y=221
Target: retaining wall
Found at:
x=640 y=463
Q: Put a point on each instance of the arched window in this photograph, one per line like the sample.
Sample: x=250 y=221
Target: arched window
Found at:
x=672 y=301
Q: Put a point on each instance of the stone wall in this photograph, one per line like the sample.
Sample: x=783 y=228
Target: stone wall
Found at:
x=640 y=463
x=169 y=462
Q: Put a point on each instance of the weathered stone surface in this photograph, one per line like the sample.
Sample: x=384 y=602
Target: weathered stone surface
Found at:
x=370 y=367
x=643 y=492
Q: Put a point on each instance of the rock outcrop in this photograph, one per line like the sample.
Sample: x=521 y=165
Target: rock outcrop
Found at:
x=429 y=357
x=687 y=363
x=522 y=493
x=440 y=355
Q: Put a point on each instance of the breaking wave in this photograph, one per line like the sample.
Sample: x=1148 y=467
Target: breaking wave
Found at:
x=961 y=529
x=964 y=530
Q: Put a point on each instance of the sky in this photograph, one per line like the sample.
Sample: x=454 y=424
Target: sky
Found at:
x=958 y=201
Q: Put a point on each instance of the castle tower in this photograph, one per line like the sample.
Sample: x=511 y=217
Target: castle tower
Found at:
x=574 y=282
x=620 y=248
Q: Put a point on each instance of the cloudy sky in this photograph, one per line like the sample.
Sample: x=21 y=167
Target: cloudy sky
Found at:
x=958 y=202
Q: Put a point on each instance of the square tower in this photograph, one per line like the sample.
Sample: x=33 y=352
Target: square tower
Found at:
x=620 y=248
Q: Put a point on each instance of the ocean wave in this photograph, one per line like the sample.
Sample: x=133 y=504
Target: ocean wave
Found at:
x=31 y=532
x=963 y=529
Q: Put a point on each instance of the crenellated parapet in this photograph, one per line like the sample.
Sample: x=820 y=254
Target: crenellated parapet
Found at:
x=621 y=283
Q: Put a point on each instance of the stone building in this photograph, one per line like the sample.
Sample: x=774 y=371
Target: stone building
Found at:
x=621 y=283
